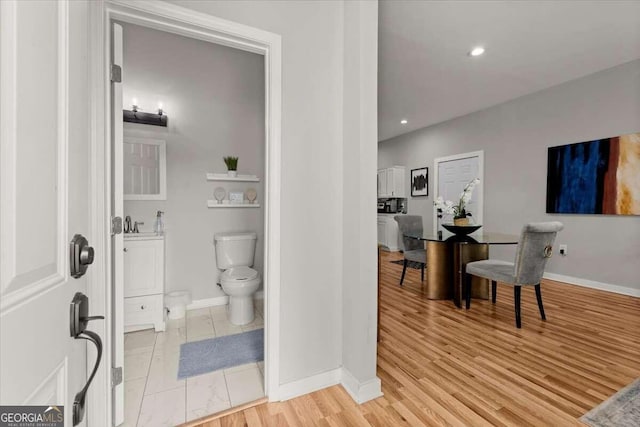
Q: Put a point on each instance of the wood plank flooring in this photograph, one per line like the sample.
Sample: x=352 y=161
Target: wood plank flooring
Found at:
x=440 y=365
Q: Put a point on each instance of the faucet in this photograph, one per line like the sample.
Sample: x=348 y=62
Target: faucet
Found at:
x=127 y=224
x=135 y=226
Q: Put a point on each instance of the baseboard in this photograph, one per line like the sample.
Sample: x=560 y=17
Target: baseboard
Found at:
x=212 y=302
x=624 y=290
x=361 y=392
x=208 y=302
x=310 y=384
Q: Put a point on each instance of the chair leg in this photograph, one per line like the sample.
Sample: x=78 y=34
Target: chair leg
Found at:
x=494 y=289
x=467 y=290
x=516 y=298
x=422 y=274
x=539 y=298
x=404 y=270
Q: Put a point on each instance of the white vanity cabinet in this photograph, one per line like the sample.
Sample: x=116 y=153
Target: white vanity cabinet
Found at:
x=143 y=282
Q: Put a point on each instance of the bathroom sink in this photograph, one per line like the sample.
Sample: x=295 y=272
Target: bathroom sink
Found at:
x=145 y=235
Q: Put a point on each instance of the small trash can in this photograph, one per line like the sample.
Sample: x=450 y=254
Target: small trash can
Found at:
x=176 y=303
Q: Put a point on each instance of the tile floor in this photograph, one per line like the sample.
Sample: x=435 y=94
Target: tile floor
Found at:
x=154 y=397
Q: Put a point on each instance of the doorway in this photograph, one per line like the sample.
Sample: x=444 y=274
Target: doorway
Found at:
x=176 y=20
x=188 y=106
x=452 y=174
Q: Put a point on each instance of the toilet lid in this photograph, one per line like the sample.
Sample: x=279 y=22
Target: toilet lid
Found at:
x=239 y=273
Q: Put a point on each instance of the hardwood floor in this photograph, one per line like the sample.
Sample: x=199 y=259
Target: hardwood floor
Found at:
x=441 y=365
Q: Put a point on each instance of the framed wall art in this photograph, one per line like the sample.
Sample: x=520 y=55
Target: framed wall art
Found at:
x=419 y=182
x=595 y=177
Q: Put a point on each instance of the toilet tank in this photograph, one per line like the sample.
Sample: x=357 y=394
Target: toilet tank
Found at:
x=234 y=249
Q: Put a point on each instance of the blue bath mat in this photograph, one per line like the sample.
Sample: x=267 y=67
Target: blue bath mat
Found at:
x=209 y=355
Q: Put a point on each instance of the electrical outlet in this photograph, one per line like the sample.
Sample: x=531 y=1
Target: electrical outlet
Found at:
x=563 y=250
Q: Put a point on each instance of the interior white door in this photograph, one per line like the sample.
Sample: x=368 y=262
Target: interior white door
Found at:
x=117 y=210
x=44 y=189
x=453 y=176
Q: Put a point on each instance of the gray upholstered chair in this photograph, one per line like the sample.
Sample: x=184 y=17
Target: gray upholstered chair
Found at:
x=413 y=248
x=534 y=248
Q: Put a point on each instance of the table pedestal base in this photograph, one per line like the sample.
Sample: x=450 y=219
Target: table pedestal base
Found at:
x=463 y=254
x=439 y=271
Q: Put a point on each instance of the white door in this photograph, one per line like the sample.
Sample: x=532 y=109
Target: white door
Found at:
x=143 y=267
x=117 y=210
x=44 y=192
x=452 y=175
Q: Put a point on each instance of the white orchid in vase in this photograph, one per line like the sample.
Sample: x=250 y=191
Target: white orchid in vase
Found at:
x=458 y=210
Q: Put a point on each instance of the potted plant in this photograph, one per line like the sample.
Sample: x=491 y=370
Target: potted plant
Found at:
x=232 y=165
x=459 y=212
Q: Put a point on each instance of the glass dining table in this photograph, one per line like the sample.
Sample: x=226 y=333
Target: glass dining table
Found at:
x=447 y=255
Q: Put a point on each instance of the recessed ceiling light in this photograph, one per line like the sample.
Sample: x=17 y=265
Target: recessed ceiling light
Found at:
x=403 y=121
x=476 y=51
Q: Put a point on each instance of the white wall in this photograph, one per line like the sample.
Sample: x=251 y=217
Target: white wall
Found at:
x=214 y=98
x=313 y=53
x=515 y=137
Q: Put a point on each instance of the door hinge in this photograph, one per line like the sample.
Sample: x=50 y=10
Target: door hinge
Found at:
x=116 y=73
x=116 y=376
x=116 y=225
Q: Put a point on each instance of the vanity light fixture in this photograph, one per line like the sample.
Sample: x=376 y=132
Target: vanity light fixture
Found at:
x=403 y=122
x=136 y=116
x=476 y=51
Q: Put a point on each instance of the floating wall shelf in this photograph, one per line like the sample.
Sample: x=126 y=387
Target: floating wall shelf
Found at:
x=215 y=204
x=226 y=177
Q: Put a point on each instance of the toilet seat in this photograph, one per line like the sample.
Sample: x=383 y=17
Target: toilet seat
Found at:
x=238 y=274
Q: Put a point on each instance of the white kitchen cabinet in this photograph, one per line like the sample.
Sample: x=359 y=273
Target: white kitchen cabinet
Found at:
x=388 y=233
x=143 y=282
x=382 y=182
x=382 y=231
x=391 y=182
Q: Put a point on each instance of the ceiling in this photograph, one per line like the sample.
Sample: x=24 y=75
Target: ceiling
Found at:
x=426 y=75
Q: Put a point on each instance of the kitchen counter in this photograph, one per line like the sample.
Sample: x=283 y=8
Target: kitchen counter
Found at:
x=388 y=235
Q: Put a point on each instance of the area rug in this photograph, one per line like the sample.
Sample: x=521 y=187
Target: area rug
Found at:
x=200 y=357
x=621 y=409
x=410 y=264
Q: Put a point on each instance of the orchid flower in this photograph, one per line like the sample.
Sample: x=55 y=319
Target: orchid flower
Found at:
x=458 y=210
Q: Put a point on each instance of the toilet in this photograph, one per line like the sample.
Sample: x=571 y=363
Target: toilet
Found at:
x=234 y=255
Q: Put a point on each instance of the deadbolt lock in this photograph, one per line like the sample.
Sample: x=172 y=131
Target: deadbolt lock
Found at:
x=80 y=255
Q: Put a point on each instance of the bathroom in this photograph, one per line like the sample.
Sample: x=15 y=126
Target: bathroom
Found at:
x=211 y=98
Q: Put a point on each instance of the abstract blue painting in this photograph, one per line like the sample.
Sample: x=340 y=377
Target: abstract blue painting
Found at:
x=595 y=177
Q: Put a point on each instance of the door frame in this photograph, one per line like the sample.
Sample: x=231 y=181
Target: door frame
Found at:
x=178 y=20
x=479 y=188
